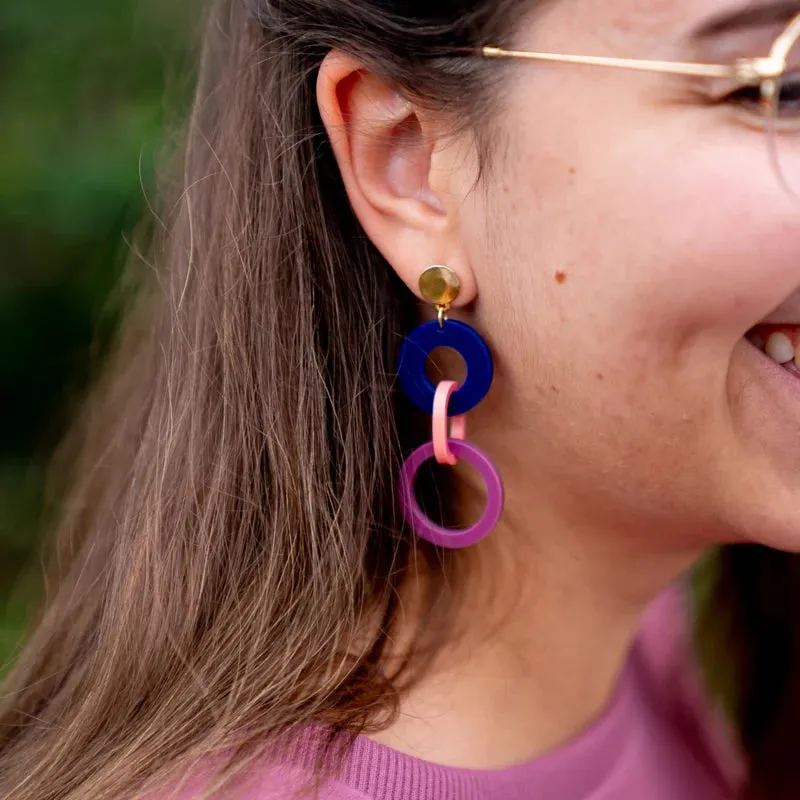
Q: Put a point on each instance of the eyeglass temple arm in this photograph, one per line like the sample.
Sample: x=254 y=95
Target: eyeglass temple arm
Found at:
x=673 y=67
x=785 y=42
x=752 y=70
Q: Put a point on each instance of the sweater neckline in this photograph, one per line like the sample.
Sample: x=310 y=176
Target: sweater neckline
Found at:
x=569 y=772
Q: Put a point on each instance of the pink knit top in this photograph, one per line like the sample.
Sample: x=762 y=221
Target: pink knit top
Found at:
x=658 y=739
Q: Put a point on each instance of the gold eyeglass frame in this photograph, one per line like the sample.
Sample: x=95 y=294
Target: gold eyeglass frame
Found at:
x=764 y=71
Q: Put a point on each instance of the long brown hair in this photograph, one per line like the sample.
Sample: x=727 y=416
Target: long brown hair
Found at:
x=231 y=527
x=230 y=534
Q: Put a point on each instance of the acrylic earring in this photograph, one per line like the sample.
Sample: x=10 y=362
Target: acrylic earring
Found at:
x=440 y=286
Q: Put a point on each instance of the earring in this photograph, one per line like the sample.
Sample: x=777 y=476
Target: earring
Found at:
x=440 y=286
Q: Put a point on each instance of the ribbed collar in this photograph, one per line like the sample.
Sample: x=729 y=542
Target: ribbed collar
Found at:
x=572 y=772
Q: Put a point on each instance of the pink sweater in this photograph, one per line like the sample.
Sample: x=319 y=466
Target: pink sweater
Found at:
x=657 y=740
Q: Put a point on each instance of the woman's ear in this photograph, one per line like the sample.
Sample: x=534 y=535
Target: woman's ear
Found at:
x=388 y=154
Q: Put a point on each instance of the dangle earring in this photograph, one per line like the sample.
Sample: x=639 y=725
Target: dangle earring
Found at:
x=440 y=286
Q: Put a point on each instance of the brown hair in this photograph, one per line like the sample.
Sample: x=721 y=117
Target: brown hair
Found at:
x=232 y=527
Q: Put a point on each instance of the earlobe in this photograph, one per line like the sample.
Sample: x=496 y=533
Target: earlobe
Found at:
x=384 y=149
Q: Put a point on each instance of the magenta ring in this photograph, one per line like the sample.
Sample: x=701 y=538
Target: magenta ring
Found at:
x=422 y=524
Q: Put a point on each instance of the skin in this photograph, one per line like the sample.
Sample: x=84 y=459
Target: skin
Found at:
x=627 y=235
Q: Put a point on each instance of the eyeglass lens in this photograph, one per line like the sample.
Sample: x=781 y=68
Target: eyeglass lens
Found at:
x=783 y=126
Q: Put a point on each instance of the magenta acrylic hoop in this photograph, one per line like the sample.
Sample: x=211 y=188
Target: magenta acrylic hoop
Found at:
x=423 y=526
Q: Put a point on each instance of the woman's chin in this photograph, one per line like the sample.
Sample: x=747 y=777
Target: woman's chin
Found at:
x=765 y=512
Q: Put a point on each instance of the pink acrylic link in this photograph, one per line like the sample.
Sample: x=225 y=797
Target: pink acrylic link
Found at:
x=457 y=425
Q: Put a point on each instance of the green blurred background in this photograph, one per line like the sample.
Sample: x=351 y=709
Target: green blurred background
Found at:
x=88 y=91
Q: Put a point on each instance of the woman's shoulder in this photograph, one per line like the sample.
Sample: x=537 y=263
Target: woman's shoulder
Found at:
x=260 y=781
x=672 y=672
x=285 y=782
x=665 y=640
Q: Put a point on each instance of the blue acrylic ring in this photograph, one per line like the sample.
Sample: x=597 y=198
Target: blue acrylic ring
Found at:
x=460 y=337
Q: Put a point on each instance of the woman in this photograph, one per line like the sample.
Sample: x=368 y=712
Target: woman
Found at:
x=251 y=602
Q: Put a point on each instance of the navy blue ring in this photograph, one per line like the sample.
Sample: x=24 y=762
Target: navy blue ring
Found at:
x=460 y=337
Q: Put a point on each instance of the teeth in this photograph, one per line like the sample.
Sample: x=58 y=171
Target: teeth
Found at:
x=780 y=348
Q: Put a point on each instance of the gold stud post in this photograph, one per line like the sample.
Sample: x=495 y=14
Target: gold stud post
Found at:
x=440 y=286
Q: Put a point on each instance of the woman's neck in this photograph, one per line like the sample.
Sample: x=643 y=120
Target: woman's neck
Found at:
x=545 y=618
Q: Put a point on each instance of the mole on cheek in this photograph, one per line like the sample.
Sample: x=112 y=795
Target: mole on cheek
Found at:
x=561 y=276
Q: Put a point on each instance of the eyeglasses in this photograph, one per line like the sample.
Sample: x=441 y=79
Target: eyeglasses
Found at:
x=773 y=83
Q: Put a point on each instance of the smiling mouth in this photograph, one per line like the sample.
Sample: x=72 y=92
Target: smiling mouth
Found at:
x=781 y=342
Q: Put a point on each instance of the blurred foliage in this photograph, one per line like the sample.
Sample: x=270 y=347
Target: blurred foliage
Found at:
x=86 y=91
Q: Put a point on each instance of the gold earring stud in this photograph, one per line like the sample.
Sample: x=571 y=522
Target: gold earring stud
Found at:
x=440 y=286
